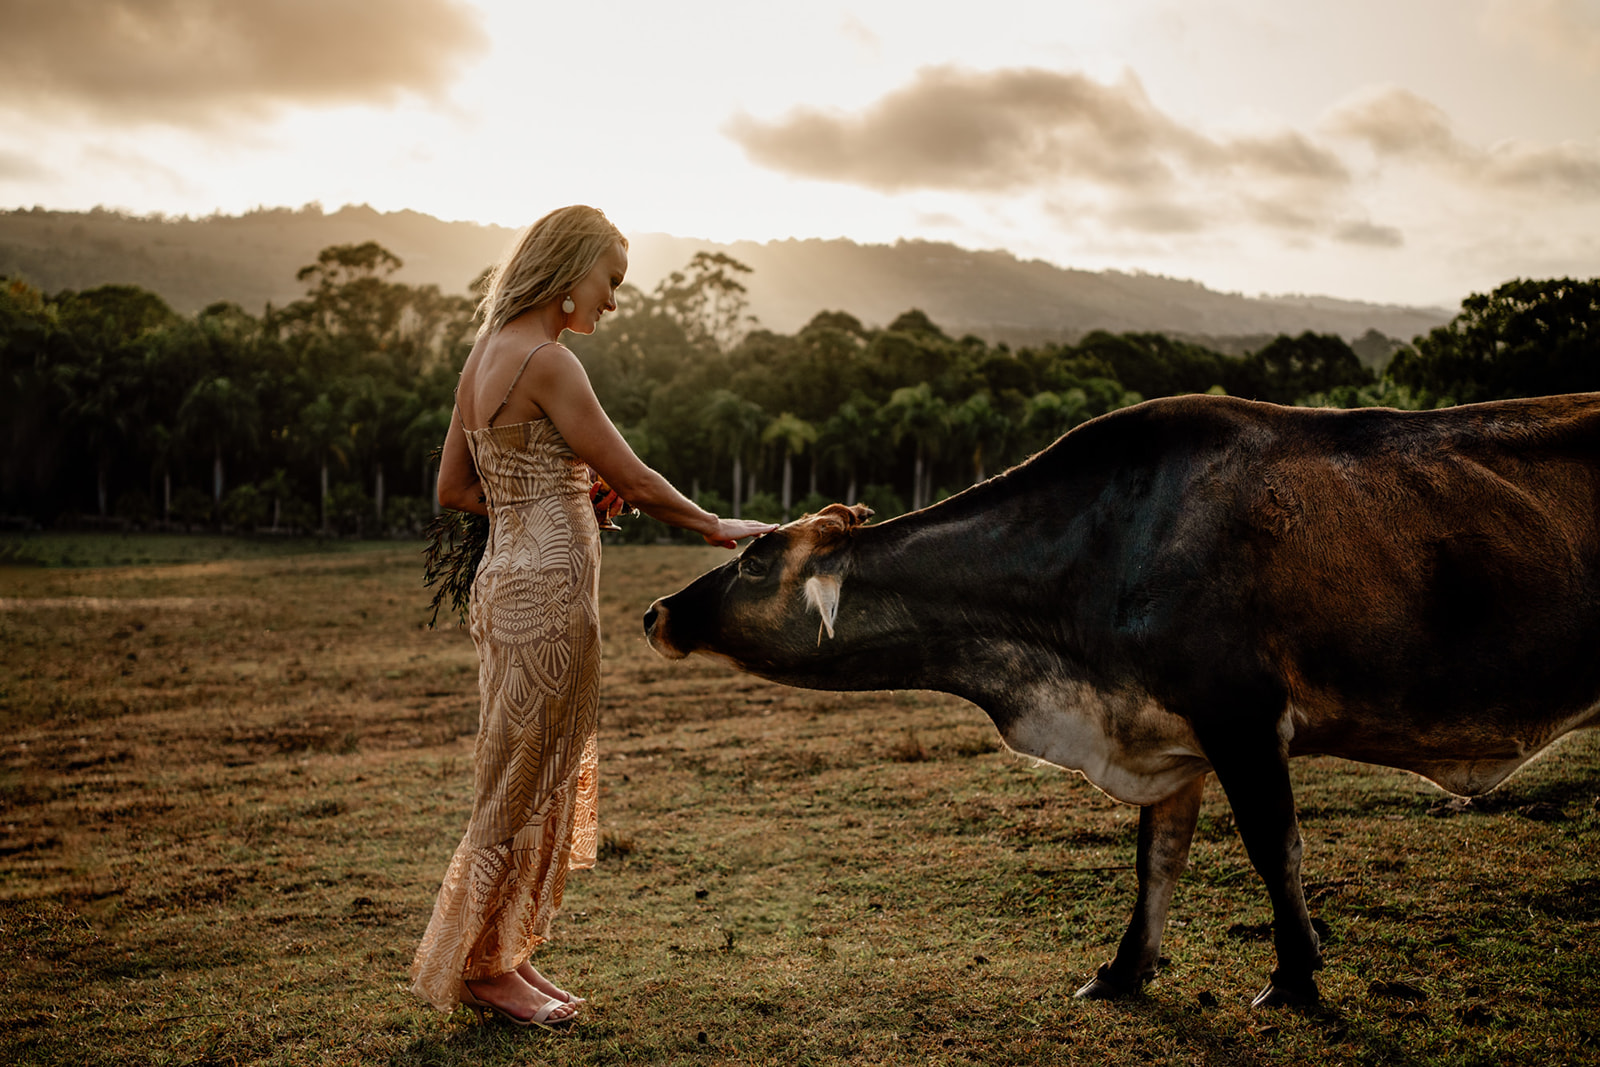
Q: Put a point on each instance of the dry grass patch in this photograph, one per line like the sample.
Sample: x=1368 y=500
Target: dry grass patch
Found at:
x=228 y=788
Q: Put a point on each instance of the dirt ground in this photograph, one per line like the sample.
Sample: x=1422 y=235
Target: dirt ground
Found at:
x=228 y=789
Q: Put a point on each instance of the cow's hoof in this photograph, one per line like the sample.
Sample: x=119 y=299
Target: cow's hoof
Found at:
x=1102 y=987
x=1279 y=994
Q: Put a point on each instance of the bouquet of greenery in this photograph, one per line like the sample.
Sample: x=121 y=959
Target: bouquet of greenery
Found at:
x=456 y=540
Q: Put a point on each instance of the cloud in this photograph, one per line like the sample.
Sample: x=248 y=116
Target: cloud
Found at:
x=1010 y=129
x=1366 y=233
x=1156 y=216
x=1571 y=168
x=16 y=166
x=1567 y=31
x=1026 y=130
x=1397 y=124
x=200 y=62
x=852 y=29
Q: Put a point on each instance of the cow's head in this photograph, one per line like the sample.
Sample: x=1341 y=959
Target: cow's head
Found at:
x=771 y=610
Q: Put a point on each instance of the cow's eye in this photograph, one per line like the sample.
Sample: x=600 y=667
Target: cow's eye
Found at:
x=752 y=568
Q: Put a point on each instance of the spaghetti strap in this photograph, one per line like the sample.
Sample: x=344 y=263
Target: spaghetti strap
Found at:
x=514 y=382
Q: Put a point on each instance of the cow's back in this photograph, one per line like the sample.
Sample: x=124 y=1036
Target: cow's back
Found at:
x=1424 y=585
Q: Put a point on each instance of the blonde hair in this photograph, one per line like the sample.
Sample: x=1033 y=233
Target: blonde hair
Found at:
x=549 y=258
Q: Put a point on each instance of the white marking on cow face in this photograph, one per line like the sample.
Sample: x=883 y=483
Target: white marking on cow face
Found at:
x=822 y=596
x=1122 y=741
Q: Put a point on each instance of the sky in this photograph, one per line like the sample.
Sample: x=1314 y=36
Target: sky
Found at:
x=1395 y=151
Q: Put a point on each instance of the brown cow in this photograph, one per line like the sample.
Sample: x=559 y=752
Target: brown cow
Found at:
x=1204 y=584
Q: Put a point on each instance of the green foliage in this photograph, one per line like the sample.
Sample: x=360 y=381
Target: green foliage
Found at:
x=350 y=510
x=191 y=507
x=111 y=392
x=1526 y=338
x=455 y=541
x=407 y=516
x=712 y=501
x=245 y=507
x=1154 y=365
x=1292 y=367
x=110 y=396
x=134 y=507
x=812 y=503
x=917 y=321
x=883 y=500
x=763 y=507
x=1386 y=393
x=707 y=300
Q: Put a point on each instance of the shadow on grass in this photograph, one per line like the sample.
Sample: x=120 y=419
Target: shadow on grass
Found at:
x=47 y=948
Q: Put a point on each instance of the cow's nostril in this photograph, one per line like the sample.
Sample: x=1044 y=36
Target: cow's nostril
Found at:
x=650 y=620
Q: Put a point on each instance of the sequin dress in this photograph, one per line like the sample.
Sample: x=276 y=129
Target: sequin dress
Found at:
x=534 y=617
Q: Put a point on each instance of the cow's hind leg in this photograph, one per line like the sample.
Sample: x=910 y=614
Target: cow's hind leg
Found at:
x=1253 y=769
x=1165 y=830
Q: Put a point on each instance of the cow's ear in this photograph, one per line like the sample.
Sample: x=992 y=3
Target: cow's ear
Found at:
x=843 y=517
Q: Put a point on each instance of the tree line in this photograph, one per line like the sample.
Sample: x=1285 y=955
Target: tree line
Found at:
x=323 y=416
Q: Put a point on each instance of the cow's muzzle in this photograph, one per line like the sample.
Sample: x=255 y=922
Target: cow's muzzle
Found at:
x=659 y=633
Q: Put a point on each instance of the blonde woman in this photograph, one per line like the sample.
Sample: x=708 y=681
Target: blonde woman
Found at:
x=525 y=440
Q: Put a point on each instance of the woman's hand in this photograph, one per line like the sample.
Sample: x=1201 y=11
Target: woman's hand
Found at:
x=608 y=504
x=729 y=532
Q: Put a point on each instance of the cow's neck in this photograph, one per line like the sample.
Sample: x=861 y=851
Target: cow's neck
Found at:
x=987 y=602
x=968 y=597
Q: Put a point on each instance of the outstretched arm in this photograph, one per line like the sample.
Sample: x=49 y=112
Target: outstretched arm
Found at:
x=561 y=387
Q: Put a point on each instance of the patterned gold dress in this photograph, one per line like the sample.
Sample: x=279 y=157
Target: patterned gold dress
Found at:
x=534 y=617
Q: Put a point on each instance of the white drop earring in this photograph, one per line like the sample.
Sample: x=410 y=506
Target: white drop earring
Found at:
x=568 y=306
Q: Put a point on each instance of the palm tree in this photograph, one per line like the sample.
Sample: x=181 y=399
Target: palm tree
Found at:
x=795 y=434
x=913 y=411
x=1049 y=415
x=163 y=446
x=849 y=436
x=320 y=429
x=982 y=426
x=370 y=407
x=424 y=433
x=98 y=391
x=735 y=423
x=219 y=412
x=162 y=379
x=277 y=487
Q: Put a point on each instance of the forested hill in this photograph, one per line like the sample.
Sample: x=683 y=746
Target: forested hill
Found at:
x=252 y=260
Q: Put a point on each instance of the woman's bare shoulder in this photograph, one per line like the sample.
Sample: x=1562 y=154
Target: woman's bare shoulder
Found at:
x=500 y=367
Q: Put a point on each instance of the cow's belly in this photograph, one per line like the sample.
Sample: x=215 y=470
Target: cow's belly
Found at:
x=1467 y=758
x=1123 y=742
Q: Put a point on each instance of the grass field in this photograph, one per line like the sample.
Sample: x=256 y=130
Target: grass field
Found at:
x=228 y=788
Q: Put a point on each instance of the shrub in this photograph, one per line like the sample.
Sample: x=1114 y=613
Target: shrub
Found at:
x=298 y=515
x=349 y=509
x=135 y=507
x=191 y=507
x=763 y=507
x=405 y=516
x=244 y=507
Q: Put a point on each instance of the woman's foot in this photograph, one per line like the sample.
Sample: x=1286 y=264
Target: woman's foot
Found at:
x=513 y=997
x=545 y=986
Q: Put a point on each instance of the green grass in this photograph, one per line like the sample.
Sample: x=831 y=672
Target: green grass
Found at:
x=145 y=549
x=228 y=790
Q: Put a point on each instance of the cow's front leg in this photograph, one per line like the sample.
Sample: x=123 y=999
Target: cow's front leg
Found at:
x=1253 y=769
x=1166 y=829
